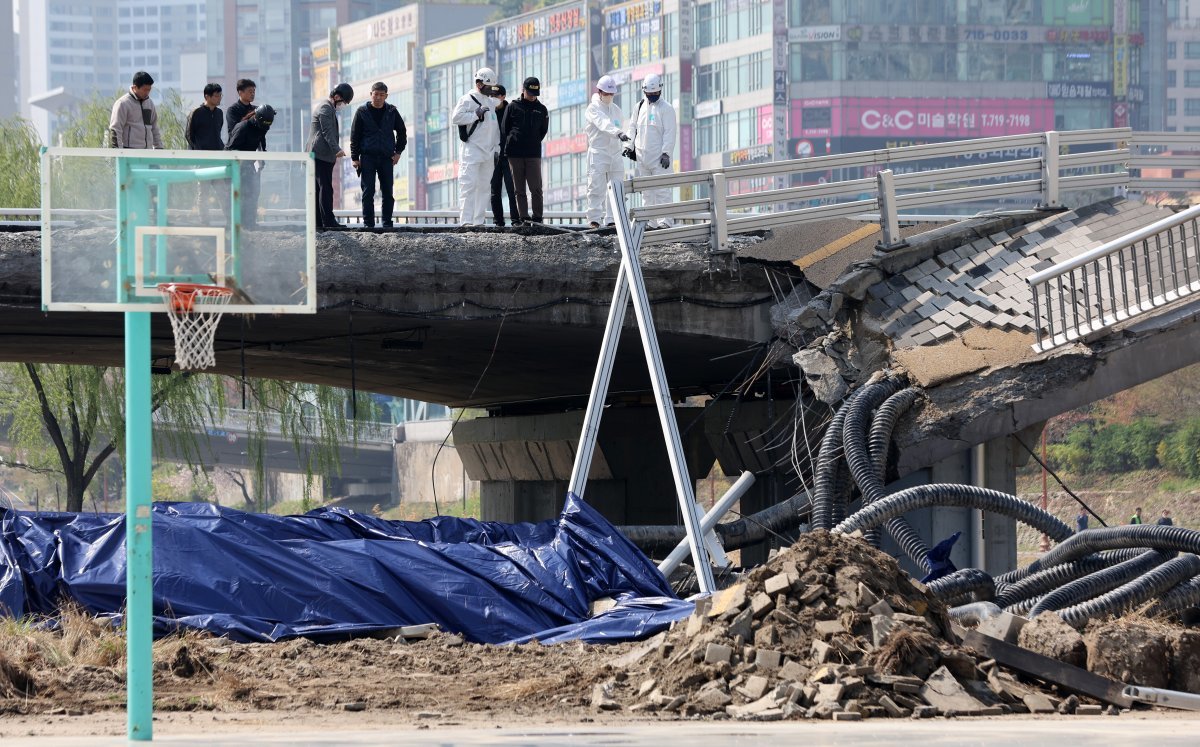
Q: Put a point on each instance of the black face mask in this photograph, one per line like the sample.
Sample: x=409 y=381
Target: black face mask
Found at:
x=652 y=97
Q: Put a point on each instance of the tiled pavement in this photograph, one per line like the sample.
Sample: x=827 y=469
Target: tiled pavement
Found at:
x=983 y=284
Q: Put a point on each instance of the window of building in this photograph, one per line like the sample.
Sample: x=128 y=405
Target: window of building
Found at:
x=1191 y=107
x=1171 y=79
x=1170 y=50
x=724 y=21
x=750 y=72
x=813 y=61
x=1170 y=107
x=1078 y=63
x=1191 y=50
x=1191 y=78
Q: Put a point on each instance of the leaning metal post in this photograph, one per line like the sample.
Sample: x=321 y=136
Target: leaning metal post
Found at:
x=662 y=393
x=608 y=353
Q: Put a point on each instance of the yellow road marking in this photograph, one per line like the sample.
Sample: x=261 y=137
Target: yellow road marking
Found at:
x=834 y=247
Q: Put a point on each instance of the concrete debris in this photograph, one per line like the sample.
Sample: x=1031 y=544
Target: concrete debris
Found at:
x=829 y=628
x=1048 y=635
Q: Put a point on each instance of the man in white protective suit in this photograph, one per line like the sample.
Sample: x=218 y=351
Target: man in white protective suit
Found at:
x=605 y=136
x=479 y=142
x=654 y=127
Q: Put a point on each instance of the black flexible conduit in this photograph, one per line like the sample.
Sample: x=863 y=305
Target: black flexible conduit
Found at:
x=1008 y=594
x=1149 y=536
x=962 y=584
x=1099 y=582
x=1125 y=598
x=854 y=437
x=882 y=426
x=964 y=496
x=1186 y=594
x=825 y=474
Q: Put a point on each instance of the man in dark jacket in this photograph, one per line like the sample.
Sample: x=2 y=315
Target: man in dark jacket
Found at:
x=243 y=108
x=377 y=138
x=500 y=171
x=522 y=131
x=203 y=132
x=250 y=135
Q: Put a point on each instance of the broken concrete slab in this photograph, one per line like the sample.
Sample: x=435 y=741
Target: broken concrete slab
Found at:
x=944 y=692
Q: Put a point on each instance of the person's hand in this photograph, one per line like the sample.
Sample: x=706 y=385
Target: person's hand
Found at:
x=480 y=112
x=665 y=161
x=354 y=163
x=339 y=154
x=630 y=154
x=395 y=158
x=622 y=137
x=249 y=114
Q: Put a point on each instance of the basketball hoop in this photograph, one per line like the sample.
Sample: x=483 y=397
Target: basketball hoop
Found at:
x=195 y=311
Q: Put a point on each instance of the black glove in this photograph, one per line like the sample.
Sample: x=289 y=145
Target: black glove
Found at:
x=630 y=154
x=622 y=137
x=480 y=112
x=665 y=161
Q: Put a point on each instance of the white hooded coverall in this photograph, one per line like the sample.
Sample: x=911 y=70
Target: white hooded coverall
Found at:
x=654 y=130
x=603 y=128
x=476 y=156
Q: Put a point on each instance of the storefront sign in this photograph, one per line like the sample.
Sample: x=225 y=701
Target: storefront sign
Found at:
x=706 y=109
x=1065 y=89
x=564 y=145
x=746 y=156
x=913 y=118
x=442 y=172
x=379 y=28
x=560 y=21
x=815 y=34
x=455 y=48
x=630 y=13
x=1078 y=36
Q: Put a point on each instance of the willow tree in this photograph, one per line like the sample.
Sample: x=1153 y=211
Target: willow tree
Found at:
x=68 y=421
x=20 y=186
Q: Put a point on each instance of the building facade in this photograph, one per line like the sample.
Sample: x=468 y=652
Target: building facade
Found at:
x=763 y=80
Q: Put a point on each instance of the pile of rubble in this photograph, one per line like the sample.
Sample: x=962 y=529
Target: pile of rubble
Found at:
x=829 y=628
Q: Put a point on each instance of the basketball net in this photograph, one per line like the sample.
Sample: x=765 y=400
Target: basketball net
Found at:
x=195 y=311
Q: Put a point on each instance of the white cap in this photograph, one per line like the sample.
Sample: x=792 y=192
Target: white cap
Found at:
x=607 y=84
x=652 y=83
x=487 y=75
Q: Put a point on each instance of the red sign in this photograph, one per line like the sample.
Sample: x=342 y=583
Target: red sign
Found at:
x=563 y=145
x=932 y=117
x=1120 y=114
x=442 y=172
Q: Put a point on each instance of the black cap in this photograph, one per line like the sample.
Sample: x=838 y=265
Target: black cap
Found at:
x=264 y=114
x=533 y=85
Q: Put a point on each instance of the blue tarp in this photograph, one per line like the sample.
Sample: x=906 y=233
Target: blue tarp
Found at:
x=333 y=574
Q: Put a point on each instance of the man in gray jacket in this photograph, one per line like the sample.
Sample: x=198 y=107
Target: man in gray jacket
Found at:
x=324 y=143
x=134 y=120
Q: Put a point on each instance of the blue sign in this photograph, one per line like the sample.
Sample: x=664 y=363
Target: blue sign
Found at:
x=573 y=92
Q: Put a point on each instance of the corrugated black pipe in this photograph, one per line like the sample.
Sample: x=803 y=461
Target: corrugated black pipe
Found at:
x=1099 y=582
x=1148 y=536
x=1121 y=600
x=1008 y=594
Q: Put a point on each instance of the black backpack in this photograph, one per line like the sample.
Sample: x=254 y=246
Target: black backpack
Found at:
x=464 y=134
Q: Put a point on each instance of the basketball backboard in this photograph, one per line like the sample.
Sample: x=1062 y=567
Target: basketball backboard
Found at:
x=117 y=223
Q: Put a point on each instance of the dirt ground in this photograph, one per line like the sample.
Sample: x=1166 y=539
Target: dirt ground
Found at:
x=748 y=654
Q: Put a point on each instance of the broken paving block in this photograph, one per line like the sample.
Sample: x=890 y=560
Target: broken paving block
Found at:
x=847 y=716
x=777 y=584
x=812 y=594
x=826 y=628
x=822 y=652
x=944 y=692
x=717 y=653
x=761 y=604
x=755 y=687
x=1038 y=703
x=767 y=660
x=728 y=602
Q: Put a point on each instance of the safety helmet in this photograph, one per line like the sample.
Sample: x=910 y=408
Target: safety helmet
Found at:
x=486 y=75
x=264 y=115
x=346 y=91
x=607 y=84
x=652 y=83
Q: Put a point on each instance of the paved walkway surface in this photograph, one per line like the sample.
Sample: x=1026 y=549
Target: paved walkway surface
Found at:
x=1160 y=729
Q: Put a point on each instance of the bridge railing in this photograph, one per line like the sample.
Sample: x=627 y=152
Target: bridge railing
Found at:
x=244 y=421
x=1038 y=166
x=1117 y=281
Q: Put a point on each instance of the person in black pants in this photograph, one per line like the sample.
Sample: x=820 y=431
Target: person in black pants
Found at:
x=250 y=134
x=501 y=172
x=203 y=132
x=242 y=111
x=377 y=138
x=323 y=142
x=525 y=124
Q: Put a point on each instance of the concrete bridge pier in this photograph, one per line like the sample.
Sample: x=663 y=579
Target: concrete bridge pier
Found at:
x=988 y=541
x=523 y=463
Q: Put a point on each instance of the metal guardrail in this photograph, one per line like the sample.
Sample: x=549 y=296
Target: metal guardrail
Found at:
x=1126 y=277
x=887 y=181
x=895 y=180
x=240 y=420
